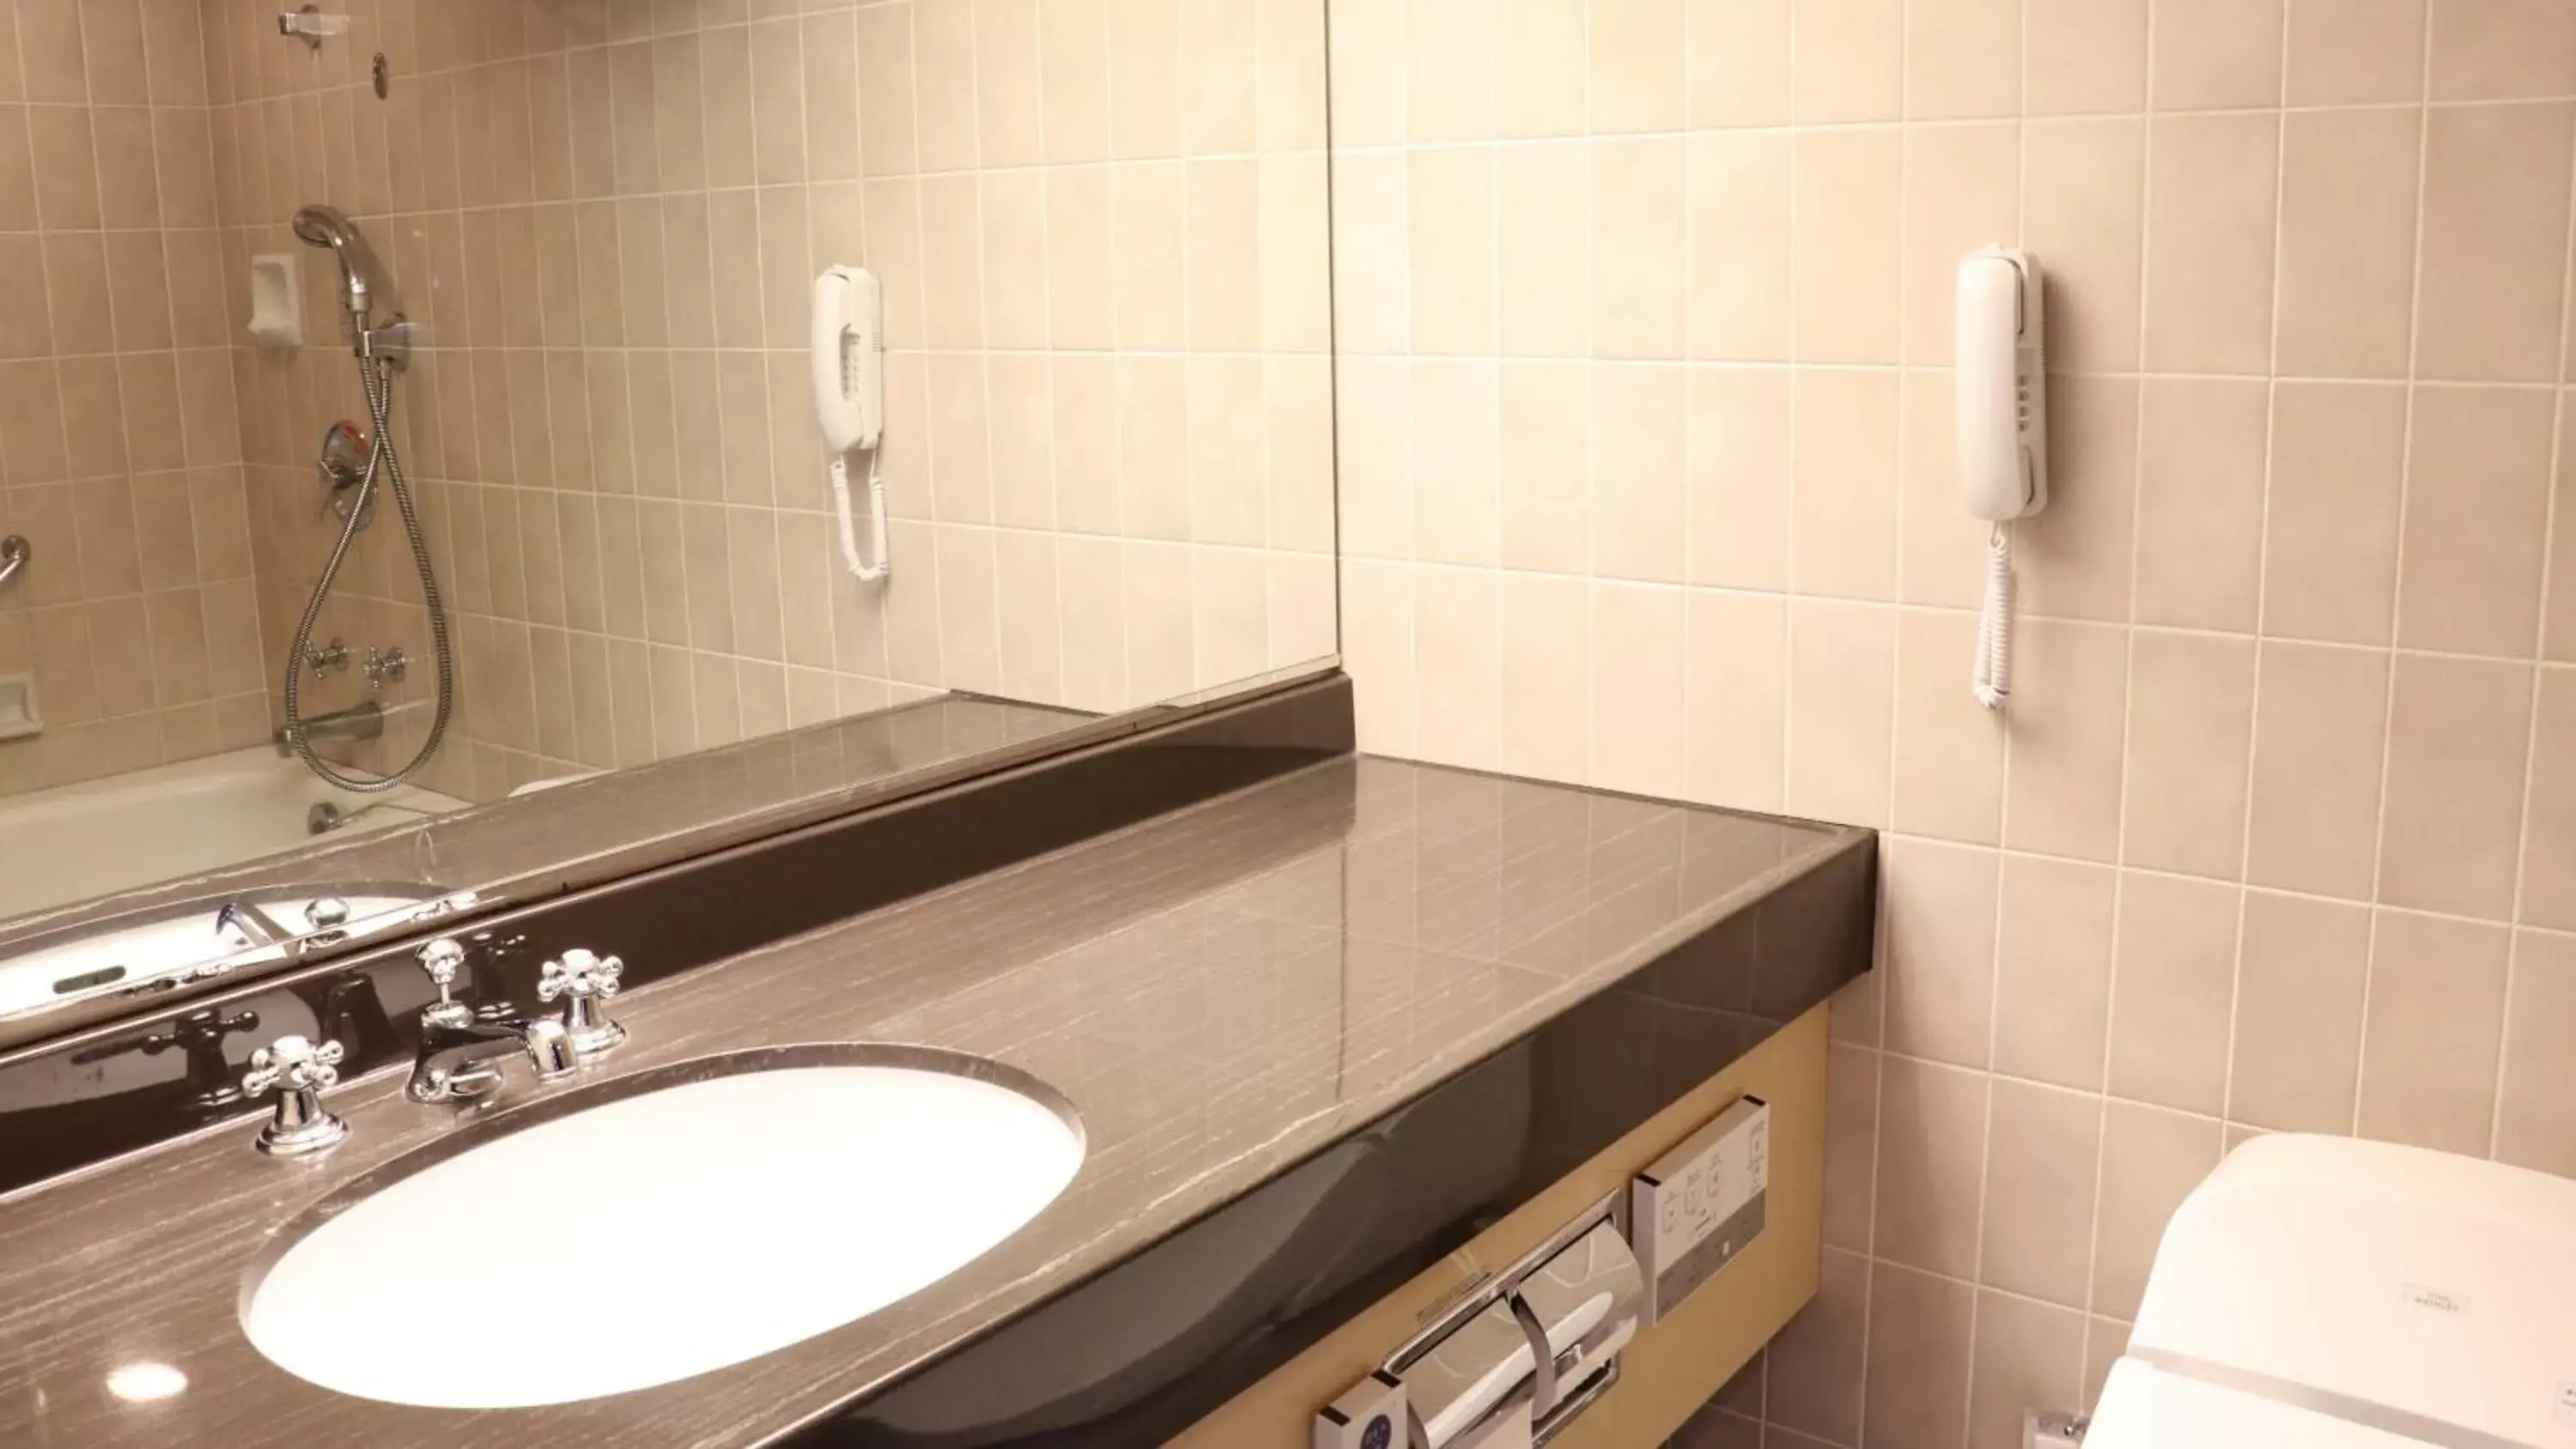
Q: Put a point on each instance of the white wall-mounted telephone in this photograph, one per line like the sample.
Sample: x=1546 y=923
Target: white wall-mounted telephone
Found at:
x=2001 y=383
x=849 y=400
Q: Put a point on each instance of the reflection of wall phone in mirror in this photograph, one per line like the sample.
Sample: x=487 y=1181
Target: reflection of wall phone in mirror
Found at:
x=849 y=400
x=2001 y=381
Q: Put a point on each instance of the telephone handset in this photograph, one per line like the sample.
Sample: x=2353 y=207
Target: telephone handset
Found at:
x=2000 y=377
x=849 y=399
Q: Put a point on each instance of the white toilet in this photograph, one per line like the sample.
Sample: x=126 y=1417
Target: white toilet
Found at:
x=2321 y=1293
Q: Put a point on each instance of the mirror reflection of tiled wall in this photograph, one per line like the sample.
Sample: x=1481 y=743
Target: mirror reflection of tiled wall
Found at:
x=119 y=453
x=1104 y=248
x=1102 y=231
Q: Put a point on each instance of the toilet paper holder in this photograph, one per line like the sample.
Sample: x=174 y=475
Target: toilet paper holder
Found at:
x=1534 y=1345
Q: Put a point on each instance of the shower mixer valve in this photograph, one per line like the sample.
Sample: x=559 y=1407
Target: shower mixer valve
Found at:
x=385 y=666
x=327 y=658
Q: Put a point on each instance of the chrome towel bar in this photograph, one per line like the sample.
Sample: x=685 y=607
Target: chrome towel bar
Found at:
x=14 y=554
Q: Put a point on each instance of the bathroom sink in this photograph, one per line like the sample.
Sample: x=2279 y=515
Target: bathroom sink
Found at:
x=661 y=1226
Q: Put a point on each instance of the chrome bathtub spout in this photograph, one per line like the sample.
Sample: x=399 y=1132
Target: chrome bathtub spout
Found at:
x=362 y=721
x=256 y=925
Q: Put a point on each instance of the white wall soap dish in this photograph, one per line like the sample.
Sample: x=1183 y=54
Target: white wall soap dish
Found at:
x=19 y=716
x=276 y=302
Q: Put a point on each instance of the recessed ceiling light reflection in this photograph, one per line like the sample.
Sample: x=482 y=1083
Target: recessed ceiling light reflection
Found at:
x=143 y=1383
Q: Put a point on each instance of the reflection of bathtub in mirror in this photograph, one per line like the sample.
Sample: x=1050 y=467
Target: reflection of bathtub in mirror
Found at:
x=74 y=842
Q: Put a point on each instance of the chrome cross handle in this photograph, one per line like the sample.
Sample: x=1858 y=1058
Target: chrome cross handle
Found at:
x=582 y=980
x=441 y=958
x=297 y=1070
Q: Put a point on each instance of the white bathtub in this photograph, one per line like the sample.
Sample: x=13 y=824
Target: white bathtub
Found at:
x=77 y=841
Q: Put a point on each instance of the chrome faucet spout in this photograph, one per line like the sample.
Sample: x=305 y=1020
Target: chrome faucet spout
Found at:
x=460 y=1054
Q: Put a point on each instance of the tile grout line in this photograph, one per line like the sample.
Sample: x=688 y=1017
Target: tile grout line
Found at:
x=2397 y=609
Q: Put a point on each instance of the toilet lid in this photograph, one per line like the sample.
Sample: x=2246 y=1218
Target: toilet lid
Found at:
x=2144 y=1408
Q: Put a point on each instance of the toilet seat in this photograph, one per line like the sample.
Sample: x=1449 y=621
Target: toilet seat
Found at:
x=2144 y=1407
x=2328 y=1293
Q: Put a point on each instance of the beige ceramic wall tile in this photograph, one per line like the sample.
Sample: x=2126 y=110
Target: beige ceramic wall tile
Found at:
x=2083 y=199
x=1636 y=65
x=1962 y=58
x=1740 y=484
x=2200 y=502
x=2191 y=718
x=1543 y=220
x=2038 y=1232
x=2025 y=1353
x=1841 y=679
x=1738 y=61
x=1918 y=1365
x=2549 y=847
x=1851 y=1149
x=1846 y=249
x=1737 y=700
x=1850 y=60
x=1939 y=907
x=1639 y=251
x=1640 y=419
x=1547 y=663
x=2174 y=975
x=2150 y=1160
x=2071 y=693
x=1450 y=85
x=2457 y=741
x=2330 y=565
x=1458 y=650
x=2536 y=1119
x=2319 y=730
x=2353 y=51
x=1455 y=478
x=2435 y=1026
x=2477 y=499
x=2502 y=50
x=1812 y=1371
x=1636 y=690
x=1740 y=258
x=1949 y=750
x=1546 y=468
x=2300 y=988
x=2495 y=241
x=2053 y=971
x=1931 y=1166
x=2213 y=195
x=1843 y=537
x=2216 y=54
x=1538 y=93
x=2348 y=241
x=2084 y=56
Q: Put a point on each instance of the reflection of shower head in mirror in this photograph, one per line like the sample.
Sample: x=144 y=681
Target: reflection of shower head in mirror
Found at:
x=361 y=274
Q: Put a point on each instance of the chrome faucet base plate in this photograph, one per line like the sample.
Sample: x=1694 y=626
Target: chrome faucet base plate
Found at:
x=305 y=1140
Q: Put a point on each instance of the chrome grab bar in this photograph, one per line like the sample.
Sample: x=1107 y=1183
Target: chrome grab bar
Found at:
x=15 y=552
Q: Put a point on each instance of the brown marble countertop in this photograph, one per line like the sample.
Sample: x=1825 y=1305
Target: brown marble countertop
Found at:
x=1220 y=992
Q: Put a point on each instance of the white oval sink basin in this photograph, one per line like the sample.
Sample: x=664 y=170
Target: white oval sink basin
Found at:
x=666 y=1232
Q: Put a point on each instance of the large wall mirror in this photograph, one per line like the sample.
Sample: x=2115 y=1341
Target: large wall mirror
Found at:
x=434 y=464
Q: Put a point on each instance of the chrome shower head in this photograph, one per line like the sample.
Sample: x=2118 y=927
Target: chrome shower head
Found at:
x=361 y=274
